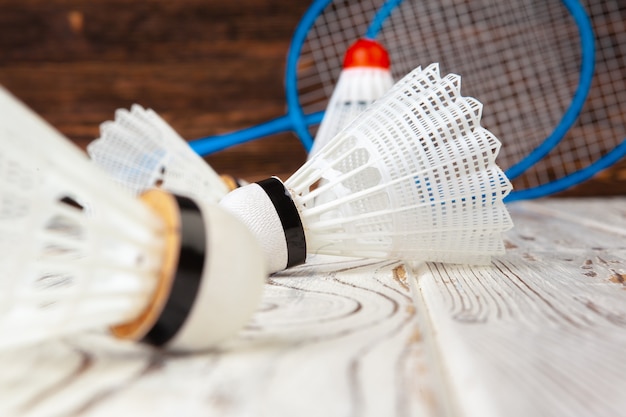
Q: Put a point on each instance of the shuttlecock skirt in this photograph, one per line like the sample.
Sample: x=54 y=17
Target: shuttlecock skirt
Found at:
x=356 y=89
x=141 y=151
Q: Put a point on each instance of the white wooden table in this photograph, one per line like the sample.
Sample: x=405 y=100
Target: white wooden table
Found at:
x=541 y=332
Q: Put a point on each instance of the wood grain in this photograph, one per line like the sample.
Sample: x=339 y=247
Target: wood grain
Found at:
x=540 y=332
x=334 y=338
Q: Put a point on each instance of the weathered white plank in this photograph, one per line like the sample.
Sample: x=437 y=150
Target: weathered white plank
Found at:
x=539 y=333
x=335 y=338
x=603 y=213
x=543 y=331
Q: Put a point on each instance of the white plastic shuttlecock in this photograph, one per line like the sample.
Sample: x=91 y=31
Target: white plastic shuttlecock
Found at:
x=142 y=151
x=413 y=177
x=78 y=253
x=365 y=77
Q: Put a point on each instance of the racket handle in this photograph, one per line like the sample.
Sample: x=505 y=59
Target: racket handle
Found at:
x=211 y=144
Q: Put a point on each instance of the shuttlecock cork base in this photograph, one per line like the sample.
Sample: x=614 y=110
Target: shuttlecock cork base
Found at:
x=194 y=304
x=268 y=209
x=180 y=276
x=366 y=53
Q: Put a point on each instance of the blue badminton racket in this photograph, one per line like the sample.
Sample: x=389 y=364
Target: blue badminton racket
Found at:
x=531 y=64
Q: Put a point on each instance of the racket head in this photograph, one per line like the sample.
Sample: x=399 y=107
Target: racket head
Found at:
x=531 y=65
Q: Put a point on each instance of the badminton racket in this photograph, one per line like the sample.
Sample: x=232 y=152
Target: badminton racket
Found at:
x=531 y=64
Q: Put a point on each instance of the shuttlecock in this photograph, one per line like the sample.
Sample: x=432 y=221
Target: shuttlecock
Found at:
x=141 y=151
x=413 y=177
x=365 y=77
x=77 y=253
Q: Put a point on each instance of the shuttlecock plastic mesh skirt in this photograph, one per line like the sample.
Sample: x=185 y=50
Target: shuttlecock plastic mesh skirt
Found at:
x=413 y=177
x=141 y=151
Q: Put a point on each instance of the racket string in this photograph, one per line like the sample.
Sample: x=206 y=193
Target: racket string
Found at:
x=521 y=59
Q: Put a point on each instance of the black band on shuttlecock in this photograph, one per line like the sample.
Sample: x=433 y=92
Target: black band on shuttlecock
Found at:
x=289 y=218
x=188 y=275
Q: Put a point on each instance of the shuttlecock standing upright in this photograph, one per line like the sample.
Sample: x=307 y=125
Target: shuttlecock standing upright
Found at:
x=141 y=151
x=364 y=78
x=413 y=177
x=77 y=252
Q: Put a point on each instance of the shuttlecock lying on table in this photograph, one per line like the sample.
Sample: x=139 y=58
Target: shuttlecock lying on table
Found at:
x=412 y=177
x=365 y=77
x=141 y=151
x=77 y=252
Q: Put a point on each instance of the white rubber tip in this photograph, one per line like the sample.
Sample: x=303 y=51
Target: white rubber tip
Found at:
x=254 y=208
x=235 y=271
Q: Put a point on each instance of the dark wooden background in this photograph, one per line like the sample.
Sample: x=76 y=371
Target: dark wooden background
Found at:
x=207 y=66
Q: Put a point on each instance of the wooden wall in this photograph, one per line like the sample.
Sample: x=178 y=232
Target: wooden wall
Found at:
x=207 y=66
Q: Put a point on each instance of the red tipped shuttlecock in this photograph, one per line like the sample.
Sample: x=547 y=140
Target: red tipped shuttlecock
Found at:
x=364 y=78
